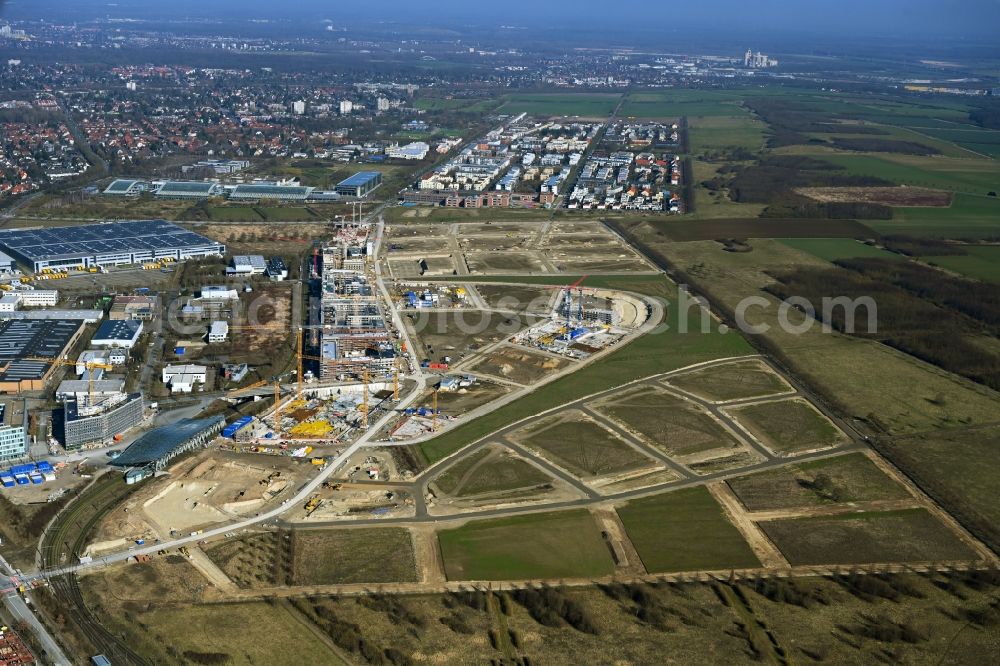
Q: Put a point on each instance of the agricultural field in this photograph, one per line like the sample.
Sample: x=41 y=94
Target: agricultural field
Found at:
x=581 y=446
x=586 y=105
x=711 y=133
x=915 y=197
x=909 y=535
x=788 y=427
x=980 y=262
x=368 y=555
x=670 y=105
x=489 y=471
x=518 y=365
x=684 y=530
x=970 y=216
x=685 y=229
x=671 y=424
x=844 y=479
x=732 y=381
x=532 y=546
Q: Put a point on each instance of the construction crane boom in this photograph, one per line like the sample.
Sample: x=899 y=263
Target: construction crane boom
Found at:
x=89 y=365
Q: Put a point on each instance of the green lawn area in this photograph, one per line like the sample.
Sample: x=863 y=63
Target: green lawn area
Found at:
x=832 y=249
x=566 y=544
x=285 y=213
x=587 y=105
x=981 y=262
x=234 y=214
x=658 y=352
x=685 y=530
x=910 y=535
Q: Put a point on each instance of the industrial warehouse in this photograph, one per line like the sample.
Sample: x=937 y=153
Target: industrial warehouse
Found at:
x=359 y=185
x=24 y=346
x=109 y=244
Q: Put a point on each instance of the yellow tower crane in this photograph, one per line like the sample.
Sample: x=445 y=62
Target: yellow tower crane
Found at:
x=89 y=365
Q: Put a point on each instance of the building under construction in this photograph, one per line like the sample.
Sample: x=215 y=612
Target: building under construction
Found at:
x=355 y=340
x=575 y=305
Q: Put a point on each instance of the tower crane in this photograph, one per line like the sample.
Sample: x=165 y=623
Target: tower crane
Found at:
x=89 y=365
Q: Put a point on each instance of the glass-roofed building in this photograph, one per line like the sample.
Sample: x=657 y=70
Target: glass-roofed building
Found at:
x=360 y=184
x=259 y=191
x=189 y=189
x=158 y=446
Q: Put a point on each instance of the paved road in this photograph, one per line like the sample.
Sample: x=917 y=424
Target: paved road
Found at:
x=21 y=611
x=304 y=492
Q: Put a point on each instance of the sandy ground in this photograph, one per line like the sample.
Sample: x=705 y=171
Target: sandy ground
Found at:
x=890 y=196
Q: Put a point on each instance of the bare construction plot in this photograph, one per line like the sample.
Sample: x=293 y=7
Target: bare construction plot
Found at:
x=519 y=298
x=580 y=445
x=459 y=334
x=494 y=476
x=676 y=426
x=518 y=365
x=788 y=427
x=844 y=479
x=732 y=381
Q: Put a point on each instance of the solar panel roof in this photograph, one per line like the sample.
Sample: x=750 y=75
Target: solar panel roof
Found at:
x=99 y=239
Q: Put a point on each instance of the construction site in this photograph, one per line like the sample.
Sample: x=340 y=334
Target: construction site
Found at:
x=508 y=248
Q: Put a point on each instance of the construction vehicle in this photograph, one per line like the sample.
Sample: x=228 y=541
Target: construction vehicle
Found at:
x=313 y=504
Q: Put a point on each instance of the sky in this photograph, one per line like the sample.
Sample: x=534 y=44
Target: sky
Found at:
x=898 y=18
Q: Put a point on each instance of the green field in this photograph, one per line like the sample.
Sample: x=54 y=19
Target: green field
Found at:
x=674 y=104
x=651 y=354
x=685 y=530
x=455 y=104
x=832 y=249
x=585 y=105
x=368 y=555
x=969 y=216
x=980 y=262
x=849 y=478
x=720 y=132
x=526 y=547
x=789 y=426
x=974 y=176
x=911 y=535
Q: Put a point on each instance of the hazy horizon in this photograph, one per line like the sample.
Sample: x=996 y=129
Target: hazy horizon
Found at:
x=897 y=19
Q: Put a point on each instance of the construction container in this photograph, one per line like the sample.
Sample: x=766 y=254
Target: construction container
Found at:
x=7 y=481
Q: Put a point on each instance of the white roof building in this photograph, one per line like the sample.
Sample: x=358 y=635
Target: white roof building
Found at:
x=121 y=333
x=182 y=378
x=218 y=332
x=219 y=292
x=253 y=264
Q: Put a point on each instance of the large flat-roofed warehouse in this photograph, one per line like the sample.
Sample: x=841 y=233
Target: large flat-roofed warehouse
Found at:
x=260 y=191
x=110 y=244
x=155 y=449
x=33 y=338
x=360 y=184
